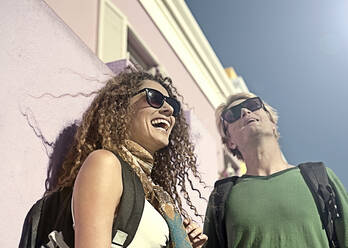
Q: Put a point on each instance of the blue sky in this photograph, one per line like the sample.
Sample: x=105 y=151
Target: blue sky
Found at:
x=294 y=54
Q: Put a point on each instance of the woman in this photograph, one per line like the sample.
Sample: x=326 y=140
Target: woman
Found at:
x=134 y=122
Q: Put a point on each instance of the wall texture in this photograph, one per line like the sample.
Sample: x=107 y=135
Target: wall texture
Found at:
x=39 y=54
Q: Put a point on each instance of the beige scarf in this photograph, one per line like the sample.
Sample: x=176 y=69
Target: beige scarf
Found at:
x=141 y=162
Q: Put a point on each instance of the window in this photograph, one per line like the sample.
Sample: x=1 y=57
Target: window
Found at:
x=117 y=40
x=138 y=54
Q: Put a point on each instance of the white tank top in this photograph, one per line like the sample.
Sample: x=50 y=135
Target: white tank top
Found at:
x=152 y=232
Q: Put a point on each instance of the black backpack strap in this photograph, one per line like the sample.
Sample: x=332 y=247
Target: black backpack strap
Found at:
x=130 y=208
x=222 y=189
x=56 y=216
x=30 y=226
x=315 y=175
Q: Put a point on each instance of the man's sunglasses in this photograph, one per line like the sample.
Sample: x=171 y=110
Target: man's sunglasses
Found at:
x=156 y=99
x=232 y=114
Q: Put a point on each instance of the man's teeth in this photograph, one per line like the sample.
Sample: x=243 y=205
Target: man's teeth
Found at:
x=156 y=123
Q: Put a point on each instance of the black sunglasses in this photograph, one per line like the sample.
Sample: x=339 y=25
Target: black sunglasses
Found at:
x=233 y=113
x=156 y=99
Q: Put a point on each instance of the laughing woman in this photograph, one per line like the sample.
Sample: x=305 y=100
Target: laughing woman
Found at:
x=131 y=154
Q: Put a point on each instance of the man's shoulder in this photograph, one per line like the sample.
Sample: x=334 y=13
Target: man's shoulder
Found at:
x=226 y=181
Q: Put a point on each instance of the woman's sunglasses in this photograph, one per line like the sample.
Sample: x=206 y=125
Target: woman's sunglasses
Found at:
x=232 y=114
x=156 y=99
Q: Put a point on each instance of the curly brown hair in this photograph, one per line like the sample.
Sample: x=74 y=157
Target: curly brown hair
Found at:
x=104 y=126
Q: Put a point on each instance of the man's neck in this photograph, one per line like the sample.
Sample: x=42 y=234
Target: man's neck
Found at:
x=264 y=158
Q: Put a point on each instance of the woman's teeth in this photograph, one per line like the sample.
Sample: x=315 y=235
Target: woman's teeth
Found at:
x=161 y=123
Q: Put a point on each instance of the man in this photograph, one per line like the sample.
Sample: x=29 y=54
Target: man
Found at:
x=271 y=205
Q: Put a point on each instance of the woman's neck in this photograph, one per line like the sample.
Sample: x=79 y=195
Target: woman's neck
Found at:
x=139 y=151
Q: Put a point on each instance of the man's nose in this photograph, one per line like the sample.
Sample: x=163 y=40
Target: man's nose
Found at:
x=244 y=112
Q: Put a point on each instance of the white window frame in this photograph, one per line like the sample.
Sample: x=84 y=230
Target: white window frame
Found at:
x=129 y=38
x=104 y=4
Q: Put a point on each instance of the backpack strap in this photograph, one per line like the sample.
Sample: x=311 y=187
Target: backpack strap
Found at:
x=315 y=175
x=222 y=189
x=56 y=216
x=30 y=226
x=130 y=208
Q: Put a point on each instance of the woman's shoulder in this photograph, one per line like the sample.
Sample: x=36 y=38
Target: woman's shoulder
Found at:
x=102 y=158
x=96 y=195
x=104 y=155
x=101 y=164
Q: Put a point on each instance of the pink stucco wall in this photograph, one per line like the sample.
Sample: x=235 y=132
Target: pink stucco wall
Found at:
x=38 y=54
x=81 y=16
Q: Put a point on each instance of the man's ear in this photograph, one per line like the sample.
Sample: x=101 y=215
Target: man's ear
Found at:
x=275 y=131
x=230 y=143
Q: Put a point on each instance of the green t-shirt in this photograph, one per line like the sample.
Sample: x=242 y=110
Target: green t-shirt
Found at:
x=278 y=211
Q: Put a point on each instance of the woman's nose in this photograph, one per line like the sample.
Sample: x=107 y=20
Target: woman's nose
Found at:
x=166 y=109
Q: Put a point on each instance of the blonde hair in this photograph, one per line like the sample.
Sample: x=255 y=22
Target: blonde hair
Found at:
x=272 y=113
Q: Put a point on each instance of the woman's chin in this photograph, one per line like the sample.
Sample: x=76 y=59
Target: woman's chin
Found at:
x=161 y=144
